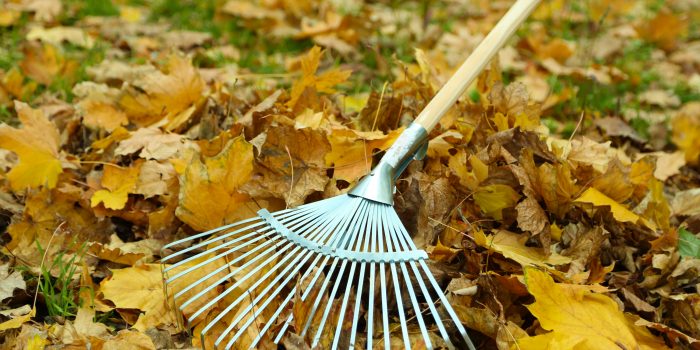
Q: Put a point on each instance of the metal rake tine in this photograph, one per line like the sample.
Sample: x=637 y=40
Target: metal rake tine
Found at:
x=288 y=216
x=351 y=238
x=281 y=307
x=351 y=278
x=231 y=288
x=204 y=234
x=298 y=267
x=215 y=257
x=361 y=279
x=400 y=307
x=382 y=278
x=438 y=321
x=441 y=294
x=342 y=218
x=301 y=216
x=295 y=263
x=372 y=276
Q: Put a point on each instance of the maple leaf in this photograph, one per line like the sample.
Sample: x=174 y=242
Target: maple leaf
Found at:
x=37 y=145
x=173 y=93
x=10 y=282
x=210 y=193
x=118 y=183
x=318 y=83
x=580 y=319
x=140 y=288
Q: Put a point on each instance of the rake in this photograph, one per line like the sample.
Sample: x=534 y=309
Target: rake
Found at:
x=318 y=267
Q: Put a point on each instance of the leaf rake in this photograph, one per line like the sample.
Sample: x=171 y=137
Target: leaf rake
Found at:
x=318 y=267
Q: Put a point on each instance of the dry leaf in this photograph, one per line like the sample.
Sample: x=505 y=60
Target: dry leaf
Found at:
x=37 y=145
x=172 y=93
x=595 y=197
x=210 y=193
x=577 y=317
x=312 y=82
x=10 y=281
x=351 y=151
x=492 y=199
x=118 y=182
x=512 y=246
x=140 y=288
x=153 y=143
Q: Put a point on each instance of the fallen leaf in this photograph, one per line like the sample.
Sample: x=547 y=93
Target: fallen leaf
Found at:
x=10 y=282
x=155 y=179
x=37 y=145
x=323 y=82
x=686 y=202
x=210 y=193
x=595 y=197
x=492 y=199
x=512 y=246
x=171 y=94
x=153 y=143
x=17 y=321
x=118 y=182
x=45 y=63
x=688 y=244
x=351 y=151
x=531 y=217
x=58 y=35
x=668 y=164
x=686 y=131
x=577 y=317
x=129 y=340
x=665 y=29
x=140 y=288
x=660 y=98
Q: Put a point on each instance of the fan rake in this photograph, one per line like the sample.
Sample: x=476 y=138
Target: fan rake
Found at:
x=341 y=272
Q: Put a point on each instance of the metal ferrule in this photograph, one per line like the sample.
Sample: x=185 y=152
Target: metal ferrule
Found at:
x=379 y=184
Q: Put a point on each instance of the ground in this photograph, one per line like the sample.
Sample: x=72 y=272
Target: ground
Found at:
x=558 y=201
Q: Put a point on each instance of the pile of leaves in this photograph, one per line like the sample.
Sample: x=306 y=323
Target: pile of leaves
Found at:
x=558 y=201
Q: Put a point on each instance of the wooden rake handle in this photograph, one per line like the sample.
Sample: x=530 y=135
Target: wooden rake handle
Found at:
x=475 y=63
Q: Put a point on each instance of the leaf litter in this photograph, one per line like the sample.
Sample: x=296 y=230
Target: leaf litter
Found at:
x=557 y=202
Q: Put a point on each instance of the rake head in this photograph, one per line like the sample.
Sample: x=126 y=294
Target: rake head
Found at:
x=338 y=272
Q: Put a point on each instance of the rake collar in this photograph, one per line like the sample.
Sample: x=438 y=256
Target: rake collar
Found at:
x=379 y=184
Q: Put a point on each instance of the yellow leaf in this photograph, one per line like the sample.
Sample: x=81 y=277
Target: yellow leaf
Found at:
x=580 y=319
x=36 y=343
x=492 y=199
x=140 y=288
x=351 y=151
x=309 y=80
x=169 y=94
x=129 y=340
x=118 y=183
x=99 y=112
x=37 y=145
x=686 y=131
x=209 y=190
x=45 y=63
x=619 y=211
x=512 y=246
x=17 y=321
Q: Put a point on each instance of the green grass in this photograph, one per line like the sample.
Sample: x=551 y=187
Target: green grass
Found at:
x=60 y=295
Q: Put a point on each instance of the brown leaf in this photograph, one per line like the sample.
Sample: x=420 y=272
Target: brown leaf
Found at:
x=531 y=217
